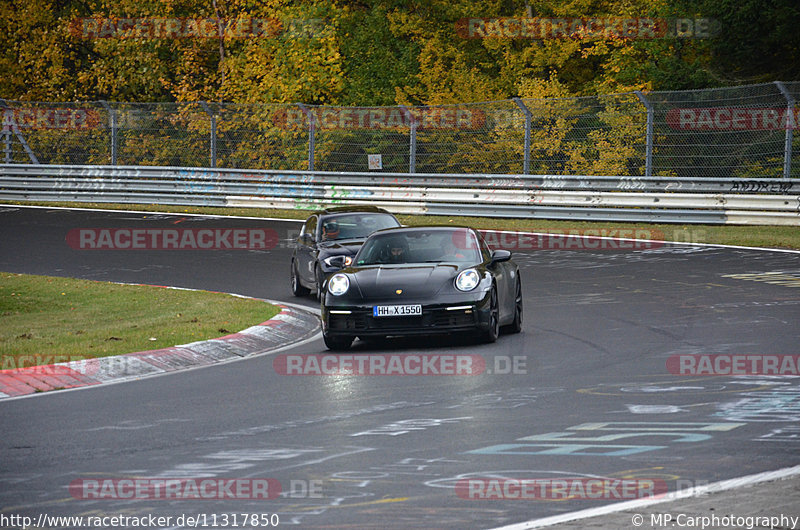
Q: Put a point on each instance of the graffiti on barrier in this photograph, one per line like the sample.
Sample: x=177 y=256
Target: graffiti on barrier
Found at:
x=758 y=186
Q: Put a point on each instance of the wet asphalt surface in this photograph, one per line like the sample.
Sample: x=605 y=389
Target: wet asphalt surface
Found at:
x=591 y=395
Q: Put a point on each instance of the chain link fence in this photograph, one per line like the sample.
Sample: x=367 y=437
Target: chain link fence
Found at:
x=745 y=131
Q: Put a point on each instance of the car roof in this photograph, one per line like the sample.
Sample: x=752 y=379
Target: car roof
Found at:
x=428 y=228
x=351 y=209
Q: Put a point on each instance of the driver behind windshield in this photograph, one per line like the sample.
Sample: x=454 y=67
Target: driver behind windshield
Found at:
x=397 y=251
x=330 y=230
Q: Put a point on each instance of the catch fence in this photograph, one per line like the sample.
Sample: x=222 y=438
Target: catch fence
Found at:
x=737 y=132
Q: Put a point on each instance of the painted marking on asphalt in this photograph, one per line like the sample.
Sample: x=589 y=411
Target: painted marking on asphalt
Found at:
x=680 y=386
x=773 y=278
x=370 y=503
x=546 y=443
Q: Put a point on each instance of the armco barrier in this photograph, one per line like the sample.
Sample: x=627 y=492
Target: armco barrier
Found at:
x=647 y=199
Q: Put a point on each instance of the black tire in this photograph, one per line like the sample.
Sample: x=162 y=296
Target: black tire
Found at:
x=297 y=287
x=516 y=324
x=337 y=343
x=491 y=334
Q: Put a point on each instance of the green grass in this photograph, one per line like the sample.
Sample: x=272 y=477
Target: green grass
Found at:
x=756 y=236
x=42 y=317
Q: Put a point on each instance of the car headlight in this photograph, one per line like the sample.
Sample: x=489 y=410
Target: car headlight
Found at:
x=468 y=280
x=338 y=284
x=345 y=263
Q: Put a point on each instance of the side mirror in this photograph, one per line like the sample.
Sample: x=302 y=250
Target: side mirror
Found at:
x=499 y=256
x=307 y=239
x=337 y=261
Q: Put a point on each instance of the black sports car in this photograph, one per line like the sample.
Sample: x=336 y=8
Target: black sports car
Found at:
x=419 y=281
x=328 y=241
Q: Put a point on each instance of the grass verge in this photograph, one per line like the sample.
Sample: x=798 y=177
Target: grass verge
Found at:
x=43 y=317
x=787 y=237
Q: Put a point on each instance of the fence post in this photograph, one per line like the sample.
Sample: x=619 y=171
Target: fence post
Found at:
x=6 y=136
x=312 y=128
x=412 y=148
x=113 y=120
x=787 y=149
x=213 y=139
x=8 y=120
x=648 y=156
x=526 y=161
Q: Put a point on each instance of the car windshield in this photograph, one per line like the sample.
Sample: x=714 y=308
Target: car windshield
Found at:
x=420 y=246
x=354 y=226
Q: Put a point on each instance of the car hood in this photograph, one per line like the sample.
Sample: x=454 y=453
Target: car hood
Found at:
x=341 y=248
x=414 y=280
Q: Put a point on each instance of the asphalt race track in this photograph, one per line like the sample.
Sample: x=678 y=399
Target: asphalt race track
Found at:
x=591 y=394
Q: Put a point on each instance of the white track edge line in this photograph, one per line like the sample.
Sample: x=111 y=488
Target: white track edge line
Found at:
x=723 y=485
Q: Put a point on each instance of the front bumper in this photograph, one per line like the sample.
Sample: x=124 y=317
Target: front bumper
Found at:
x=452 y=317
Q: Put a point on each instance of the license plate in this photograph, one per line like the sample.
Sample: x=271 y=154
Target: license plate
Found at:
x=396 y=310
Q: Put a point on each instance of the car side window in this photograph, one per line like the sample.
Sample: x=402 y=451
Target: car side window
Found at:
x=310 y=227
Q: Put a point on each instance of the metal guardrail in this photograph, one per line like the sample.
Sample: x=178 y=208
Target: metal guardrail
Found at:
x=575 y=197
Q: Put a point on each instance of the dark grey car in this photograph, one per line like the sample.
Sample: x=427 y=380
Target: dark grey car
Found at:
x=328 y=241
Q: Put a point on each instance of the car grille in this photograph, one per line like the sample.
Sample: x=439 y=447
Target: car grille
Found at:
x=453 y=318
x=431 y=318
x=396 y=322
x=347 y=322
